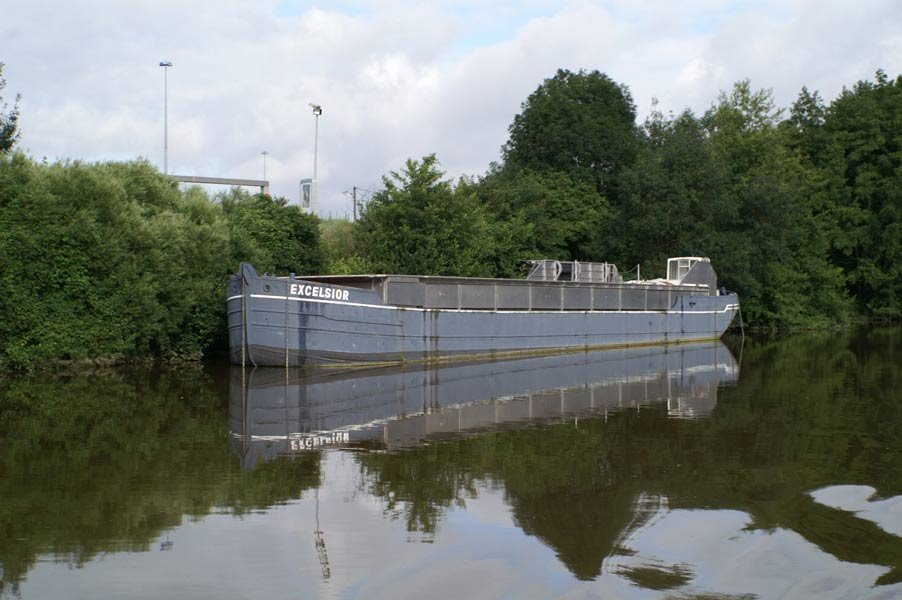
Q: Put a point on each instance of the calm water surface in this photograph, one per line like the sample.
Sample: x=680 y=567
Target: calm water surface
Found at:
x=769 y=469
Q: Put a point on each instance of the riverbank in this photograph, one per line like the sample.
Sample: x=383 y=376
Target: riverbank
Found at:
x=112 y=262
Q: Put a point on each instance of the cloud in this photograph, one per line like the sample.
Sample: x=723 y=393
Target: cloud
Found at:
x=394 y=81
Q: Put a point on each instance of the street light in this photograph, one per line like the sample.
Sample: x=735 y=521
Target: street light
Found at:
x=317 y=111
x=165 y=64
x=264 y=153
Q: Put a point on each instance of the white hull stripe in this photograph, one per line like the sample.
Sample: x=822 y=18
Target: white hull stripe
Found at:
x=727 y=308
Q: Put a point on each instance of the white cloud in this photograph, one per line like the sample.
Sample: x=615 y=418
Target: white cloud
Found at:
x=394 y=81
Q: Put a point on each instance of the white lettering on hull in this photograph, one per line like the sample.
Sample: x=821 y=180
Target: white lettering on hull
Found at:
x=315 y=291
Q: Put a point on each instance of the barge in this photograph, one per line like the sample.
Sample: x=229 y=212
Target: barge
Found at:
x=354 y=320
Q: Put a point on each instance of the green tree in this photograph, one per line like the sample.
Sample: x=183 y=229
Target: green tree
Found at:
x=9 y=121
x=419 y=224
x=582 y=124
x=806 y=132
x=672 y=201
x=551 y=215
x=864 y=131
x=806 y=124
x=775 y=251
x=105 y=261
x=272 y=235
x=111 y=261
x=340 y=248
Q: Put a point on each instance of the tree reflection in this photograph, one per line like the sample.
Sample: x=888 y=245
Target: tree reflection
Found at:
x=100 y=463
x=811 y=410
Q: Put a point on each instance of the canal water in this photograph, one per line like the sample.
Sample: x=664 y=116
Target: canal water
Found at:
x=763 y=468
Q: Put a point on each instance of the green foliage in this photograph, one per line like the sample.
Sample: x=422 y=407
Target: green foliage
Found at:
x=112 y=261
x=93 y=271
x=273 y=236
x=775 y=249
x=554 y=217
x=340 y=248
x=582 y=124
x=349 y=265
x=734 y=185
x=801 y=215
x=338 y=238
x=420 y=224
x=672 y=201
x=9 y=121
x=863 y=146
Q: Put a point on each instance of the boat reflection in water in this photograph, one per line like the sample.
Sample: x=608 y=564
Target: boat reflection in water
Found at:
x=277 y=412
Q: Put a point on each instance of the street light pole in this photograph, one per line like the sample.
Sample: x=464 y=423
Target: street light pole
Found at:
x=317 y=111
x=165 y=64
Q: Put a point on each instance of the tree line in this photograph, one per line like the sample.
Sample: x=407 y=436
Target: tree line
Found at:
x=113 y=262
x=799 y=211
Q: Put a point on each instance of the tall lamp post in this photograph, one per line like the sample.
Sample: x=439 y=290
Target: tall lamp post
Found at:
x=165 y=64
x=317 y=111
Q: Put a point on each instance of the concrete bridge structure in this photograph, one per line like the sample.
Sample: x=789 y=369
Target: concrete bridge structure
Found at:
x=263 y=184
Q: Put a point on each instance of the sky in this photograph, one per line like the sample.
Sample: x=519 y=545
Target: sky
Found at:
x=395 y=80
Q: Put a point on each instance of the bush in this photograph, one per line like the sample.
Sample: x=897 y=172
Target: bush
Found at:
x=111 y=261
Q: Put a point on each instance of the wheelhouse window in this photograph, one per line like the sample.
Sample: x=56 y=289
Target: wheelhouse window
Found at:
x=678 y=268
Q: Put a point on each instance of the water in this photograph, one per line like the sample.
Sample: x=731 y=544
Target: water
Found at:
x=767 y=469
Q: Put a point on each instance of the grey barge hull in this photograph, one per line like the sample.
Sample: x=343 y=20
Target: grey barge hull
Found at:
x=372 y=319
